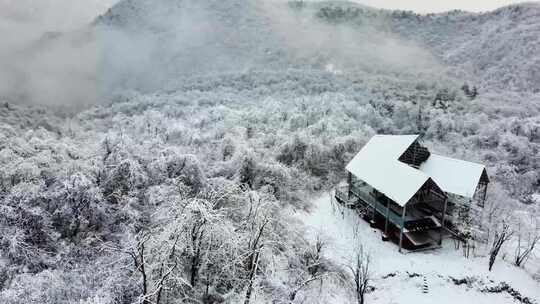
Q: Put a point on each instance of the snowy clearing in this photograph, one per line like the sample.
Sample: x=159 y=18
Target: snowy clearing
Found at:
x=344 y=231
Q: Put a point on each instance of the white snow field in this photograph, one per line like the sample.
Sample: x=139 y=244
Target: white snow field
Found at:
x=344 y=231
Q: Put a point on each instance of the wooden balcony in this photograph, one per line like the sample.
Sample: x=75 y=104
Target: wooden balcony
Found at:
x=415 y=220
x=421 y=229
x=360 y=195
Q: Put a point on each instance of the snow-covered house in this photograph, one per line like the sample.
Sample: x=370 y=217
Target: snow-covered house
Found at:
x=408 y=192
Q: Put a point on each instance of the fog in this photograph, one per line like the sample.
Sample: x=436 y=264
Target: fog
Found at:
x=160 y=41
x=345 y=46
x=50 y=15
x=38 y=63
x=57 y=60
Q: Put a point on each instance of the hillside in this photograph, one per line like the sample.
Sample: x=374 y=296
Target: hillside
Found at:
x=192 y=179
x=497 y=49
x=501 y=47
x=197 y=37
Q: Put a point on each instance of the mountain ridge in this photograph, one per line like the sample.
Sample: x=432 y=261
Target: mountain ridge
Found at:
x=498 y=48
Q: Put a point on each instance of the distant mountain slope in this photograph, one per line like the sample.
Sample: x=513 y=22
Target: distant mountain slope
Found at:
x=161 y=40
x=165 y=38
x=501 y=47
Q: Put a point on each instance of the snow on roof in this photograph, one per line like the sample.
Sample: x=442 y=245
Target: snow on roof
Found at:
x=453 y=175
x=388 y=146
x=377 y=164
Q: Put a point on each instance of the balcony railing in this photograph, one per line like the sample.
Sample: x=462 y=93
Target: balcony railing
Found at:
x=362 y=193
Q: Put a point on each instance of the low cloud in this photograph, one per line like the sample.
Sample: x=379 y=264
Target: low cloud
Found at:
x=39 y=62
x=50 y=59
x=347 y=45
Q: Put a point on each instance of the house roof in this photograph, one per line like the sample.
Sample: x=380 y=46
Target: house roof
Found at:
x=377 y=164
x=453 y=175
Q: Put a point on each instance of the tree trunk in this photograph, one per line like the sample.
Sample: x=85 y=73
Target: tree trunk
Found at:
x=143 y=272
x=498 y=241
x=252 y=278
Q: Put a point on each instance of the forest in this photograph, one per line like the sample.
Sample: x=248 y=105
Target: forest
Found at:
x=186 y=193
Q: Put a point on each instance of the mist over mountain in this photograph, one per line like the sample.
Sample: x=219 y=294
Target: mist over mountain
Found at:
x=167 y=38
x=239 y=35
x=142 y=46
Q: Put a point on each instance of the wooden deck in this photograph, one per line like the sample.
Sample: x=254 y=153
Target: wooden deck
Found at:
x=418 y=232
x=358 y=195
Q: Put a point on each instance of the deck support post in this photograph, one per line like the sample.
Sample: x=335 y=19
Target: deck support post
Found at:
x=373 y=216
x=442 y=220
x=402 y=227
x=349 y=182
x=386 y=218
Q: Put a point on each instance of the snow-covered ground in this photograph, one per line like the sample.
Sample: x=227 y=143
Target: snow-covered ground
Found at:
x=344 y=231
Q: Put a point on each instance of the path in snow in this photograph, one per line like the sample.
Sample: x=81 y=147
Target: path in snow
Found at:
x=344 y=231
